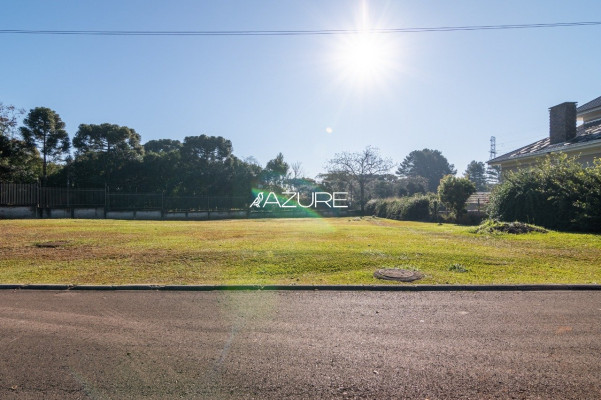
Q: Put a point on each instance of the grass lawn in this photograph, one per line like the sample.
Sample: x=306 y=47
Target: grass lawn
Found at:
x=286 y=251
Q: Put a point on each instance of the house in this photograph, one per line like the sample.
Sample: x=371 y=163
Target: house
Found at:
x=575 y=131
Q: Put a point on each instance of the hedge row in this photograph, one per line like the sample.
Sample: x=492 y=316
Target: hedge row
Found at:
x=558 y=193
x=418 y=207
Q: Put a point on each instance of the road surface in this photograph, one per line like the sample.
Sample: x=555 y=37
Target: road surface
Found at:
x=274 y=345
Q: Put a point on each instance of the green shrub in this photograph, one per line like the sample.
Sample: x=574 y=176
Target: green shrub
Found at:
x=453 y=192
x=418 y=207
x=557 y=193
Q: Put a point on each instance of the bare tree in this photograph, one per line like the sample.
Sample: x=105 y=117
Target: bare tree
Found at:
x=297 y=170
x=361 y=167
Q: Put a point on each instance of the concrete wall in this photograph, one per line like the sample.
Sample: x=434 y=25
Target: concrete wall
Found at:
x=91 y=213
x=7 y=212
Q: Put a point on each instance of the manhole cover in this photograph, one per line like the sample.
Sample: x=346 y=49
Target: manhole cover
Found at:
x=403 y=275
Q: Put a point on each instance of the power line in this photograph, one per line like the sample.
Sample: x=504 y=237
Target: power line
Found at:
x=293 y=32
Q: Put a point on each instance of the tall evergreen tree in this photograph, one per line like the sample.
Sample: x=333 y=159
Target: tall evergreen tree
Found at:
x=429 y=164
x=45 y=130
x=476 y=172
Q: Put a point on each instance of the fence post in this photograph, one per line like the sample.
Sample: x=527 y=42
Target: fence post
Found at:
x=106 y=199
x=71 y=209
x=39 y=210
x=163 y=204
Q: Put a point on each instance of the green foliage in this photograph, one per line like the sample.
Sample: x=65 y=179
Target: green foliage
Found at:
x=117 y=141
x=19 y=162
x=275 y=173
x=476 y=172
x=428 y=164
x=162 y=146
x=45 y=129
x=453 y=192
x=558 y=193
x=457 y=268
x=493 y=175
x=112 y=153
x=209 y=167
x=415 y=208
x=412 y=185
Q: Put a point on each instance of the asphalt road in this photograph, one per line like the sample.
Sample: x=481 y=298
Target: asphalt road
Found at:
x=274 y=345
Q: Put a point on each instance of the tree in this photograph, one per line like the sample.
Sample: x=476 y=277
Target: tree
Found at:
x=362 y=168
x=429 y=164
x=111 y=148
x=412 y=185
x=275 y=173
x=297 y=170
x=9 y=116
x=45 y=129
x=453 y=192
x=162 y=146
x=296 y=180
x=160 y=169
x=476 y=172
x=385 y=185
x=493 y=174
x=207 y=165
x=18 y=161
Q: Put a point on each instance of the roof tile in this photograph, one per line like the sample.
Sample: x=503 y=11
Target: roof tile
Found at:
x=590 y=132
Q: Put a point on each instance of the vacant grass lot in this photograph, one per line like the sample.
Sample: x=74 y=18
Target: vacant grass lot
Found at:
x=285 y=251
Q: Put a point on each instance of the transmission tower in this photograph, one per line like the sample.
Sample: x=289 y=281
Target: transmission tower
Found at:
x=493 y=172
x=493 y=147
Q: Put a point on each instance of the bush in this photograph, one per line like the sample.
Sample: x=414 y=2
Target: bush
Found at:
x=558 y=193
x=453 y=192
x=414 y=208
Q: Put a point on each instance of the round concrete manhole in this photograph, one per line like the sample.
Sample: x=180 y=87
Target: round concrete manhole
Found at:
x=394 y=274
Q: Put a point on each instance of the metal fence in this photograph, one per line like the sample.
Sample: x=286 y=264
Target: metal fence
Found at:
x=14 y=194
x=19 y=194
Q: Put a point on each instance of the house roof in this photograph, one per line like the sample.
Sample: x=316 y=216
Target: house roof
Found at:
x=586 y=134
x=590 y=105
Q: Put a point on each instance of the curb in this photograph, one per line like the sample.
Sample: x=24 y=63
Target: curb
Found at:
x=344 y=288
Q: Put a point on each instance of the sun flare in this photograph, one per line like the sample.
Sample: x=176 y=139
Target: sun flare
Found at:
x=365 y=58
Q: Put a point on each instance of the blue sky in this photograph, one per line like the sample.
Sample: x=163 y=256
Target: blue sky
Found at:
x=449 y=91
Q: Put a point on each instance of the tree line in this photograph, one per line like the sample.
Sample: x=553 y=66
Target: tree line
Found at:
x=113 y=156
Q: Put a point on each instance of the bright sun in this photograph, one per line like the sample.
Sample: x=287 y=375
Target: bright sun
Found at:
x=365 y=58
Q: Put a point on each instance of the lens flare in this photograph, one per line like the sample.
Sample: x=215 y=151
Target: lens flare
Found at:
x=365 y=58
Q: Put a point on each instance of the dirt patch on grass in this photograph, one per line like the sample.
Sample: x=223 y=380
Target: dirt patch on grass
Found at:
x=515 y=228
x=52 y=245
